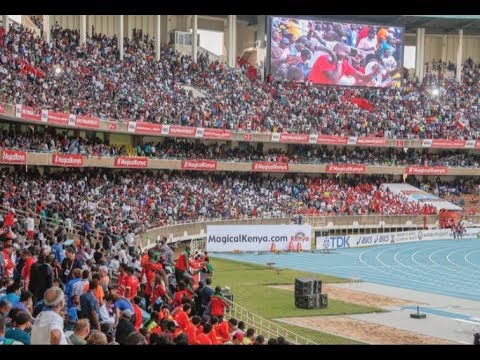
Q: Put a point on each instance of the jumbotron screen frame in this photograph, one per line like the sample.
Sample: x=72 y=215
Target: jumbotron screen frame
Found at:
x=393 y=79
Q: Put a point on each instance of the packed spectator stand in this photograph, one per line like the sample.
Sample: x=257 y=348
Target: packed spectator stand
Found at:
x=105 y=289
x=91 y=80
x=171 y=148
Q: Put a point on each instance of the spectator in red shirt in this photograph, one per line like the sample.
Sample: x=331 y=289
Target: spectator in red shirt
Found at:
x=138 y=313
x=8 y=266
x=218 y=303
x=182 y=318
x=182 y=267
x=131 y=283
x=205 y=338
x=122 y=279
x=330 y=68
x=29 y=261
x=10 y=218
x=224 y=329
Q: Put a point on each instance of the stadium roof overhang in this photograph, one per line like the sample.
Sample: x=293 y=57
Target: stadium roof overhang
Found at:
x=434 y=24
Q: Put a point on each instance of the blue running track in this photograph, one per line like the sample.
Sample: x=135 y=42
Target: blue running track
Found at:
x=446 y=267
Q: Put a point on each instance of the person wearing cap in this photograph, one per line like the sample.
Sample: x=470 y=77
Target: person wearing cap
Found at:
x=369 y=43
x=237 y=339
x=281 y=53
x=124 y=327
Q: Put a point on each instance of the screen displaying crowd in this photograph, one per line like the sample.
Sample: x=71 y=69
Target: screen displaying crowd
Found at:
x=333 y=53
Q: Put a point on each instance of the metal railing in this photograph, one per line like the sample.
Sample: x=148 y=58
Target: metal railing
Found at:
x=263 y=326
x=351 y=223
x=51 y=223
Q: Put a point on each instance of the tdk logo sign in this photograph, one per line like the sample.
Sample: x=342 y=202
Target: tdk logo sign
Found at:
x=336 y=242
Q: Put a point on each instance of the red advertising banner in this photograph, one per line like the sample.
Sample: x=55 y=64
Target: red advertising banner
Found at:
x=14 y=156
x=371 y=141
x=294 y=138
x=181 y=131
x=131 y=162
x=332 y=140
x=219 y=134
x=269 y=166
x=87 y=122
x=199 y=165
x=346 y=168
x=2 y=108
x=57 y=118
x=148 y=128
x=68 y=160
x=112 y=125
x=448 y=143
x=426 y=170
x=27 y=113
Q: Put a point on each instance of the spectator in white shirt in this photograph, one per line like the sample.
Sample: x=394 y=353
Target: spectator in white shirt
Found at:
x=48 y=326
x=369 y=44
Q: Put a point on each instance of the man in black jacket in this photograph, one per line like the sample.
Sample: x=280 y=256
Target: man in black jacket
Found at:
x=41 y=278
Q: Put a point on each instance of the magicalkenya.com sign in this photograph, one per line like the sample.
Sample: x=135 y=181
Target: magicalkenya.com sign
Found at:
x=227 y=238
x=351 y=241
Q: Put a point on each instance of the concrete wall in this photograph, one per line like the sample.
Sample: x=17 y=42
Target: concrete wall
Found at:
x=433 y=48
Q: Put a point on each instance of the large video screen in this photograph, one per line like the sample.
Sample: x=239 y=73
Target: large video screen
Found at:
x=334 y=53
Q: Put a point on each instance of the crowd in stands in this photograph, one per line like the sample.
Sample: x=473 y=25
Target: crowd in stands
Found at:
x=171 y=148
x=91 y=80
x=55 y=290
x=464 y=192
x=111 y=201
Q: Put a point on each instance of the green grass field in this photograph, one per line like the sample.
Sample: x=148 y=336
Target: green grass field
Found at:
x=249 y=286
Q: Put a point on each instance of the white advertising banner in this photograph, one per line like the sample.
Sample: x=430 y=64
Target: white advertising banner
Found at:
x=228 y=238
x=351 y=241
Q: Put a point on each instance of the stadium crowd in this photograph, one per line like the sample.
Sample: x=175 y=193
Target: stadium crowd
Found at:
x=99 y=287
x=91 y=80
x=171 y=148
x=55 y=290
x=108 y=200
